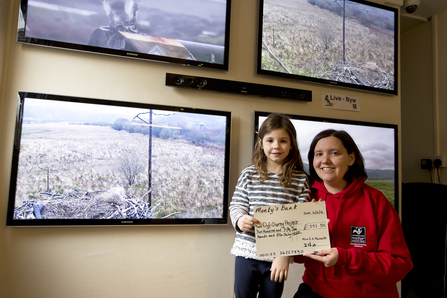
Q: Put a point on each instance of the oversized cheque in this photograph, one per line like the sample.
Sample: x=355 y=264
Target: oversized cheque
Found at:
x=291 y=229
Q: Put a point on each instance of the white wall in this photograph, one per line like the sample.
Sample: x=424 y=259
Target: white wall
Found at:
x=417 y=91
x=4 y=5
x=4 y=9
x=441 y=97
x=141 y=261
x=424 y=94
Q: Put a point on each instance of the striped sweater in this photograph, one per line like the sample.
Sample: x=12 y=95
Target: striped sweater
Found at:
x=250 y=192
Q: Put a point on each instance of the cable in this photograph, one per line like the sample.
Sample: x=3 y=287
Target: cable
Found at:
x=438 y=163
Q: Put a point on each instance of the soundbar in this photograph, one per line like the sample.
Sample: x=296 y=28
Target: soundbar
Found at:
x=202 y=83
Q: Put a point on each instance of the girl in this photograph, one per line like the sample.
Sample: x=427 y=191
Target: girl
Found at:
x=275 y=177
x=369 y=254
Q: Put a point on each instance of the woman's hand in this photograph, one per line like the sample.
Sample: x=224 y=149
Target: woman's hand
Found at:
x=328 y=257
x=246 y=222
x=279 y=269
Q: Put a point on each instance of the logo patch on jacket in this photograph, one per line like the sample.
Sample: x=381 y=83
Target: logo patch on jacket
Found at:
x=358 y=235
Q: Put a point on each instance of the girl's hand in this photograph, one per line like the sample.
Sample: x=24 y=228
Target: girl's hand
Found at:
x=279 y=269
x=328 y=257
x=314 y=200
x=246 y=222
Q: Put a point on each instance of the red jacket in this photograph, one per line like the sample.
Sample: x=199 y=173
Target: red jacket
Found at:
x=372 y=253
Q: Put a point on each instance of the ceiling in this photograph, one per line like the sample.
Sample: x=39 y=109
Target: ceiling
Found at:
x=425 y=10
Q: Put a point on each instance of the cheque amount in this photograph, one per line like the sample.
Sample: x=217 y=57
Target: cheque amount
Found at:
x=315 y=226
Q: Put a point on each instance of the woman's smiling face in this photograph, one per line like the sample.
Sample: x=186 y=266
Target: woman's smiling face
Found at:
x=331 y=163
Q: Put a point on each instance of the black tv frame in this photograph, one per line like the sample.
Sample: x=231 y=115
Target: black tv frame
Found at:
x=317 y=124
x=197 y=49
x=200 y=136
x=302 y=73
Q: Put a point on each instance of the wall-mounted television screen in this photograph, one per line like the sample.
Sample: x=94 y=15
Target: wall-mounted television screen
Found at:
x=186 y=32
x=85 y=161
x=377 y=143
x=338 y=42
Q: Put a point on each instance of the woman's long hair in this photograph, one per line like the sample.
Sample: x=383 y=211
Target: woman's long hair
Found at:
x=293 y=160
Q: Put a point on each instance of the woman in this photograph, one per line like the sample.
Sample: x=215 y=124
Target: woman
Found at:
x=368 y=253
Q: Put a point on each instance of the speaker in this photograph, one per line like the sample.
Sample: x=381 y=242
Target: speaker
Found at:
x=424 y=222
x=202 y=83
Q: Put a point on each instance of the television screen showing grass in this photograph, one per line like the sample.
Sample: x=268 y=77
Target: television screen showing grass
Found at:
x=344 y=43
x=90 y=161
x=376 y=141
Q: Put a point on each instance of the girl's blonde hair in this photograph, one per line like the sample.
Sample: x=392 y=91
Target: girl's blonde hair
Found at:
x=293 y=160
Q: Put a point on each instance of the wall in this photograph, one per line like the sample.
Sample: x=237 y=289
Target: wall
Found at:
x=441 y=96
x=141 y=261
x=424 y=93
x=4 y=8
x=417 y=77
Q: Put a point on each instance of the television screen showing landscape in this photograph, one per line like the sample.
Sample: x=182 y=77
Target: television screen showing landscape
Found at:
x=106 y=161
x=377 y=142
x=341 y=42
x=187 y=32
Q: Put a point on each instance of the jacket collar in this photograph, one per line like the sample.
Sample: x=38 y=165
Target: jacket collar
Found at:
x=349 y=191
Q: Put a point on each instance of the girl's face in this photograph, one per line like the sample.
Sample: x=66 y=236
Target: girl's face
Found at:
x=276 y=146
x=331 y=163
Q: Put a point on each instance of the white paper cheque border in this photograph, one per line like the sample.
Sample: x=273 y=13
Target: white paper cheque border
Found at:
x=291 y=229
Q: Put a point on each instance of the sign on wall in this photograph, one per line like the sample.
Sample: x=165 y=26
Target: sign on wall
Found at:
x=340 y=102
